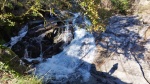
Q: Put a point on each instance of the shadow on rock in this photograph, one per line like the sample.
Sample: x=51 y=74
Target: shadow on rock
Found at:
x=123 y=36
x=104 y=77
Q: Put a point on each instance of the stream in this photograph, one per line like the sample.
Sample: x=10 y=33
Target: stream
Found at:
x=62 y=53
x=72 y=64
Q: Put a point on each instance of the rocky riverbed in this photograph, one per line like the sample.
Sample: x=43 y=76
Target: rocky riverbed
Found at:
x=67 y=53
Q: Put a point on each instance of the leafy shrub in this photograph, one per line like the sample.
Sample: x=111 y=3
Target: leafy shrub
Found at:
x=121 y=5
x=15 y=13
x=90 y=8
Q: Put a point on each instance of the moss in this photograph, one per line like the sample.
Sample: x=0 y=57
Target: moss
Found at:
x=8 y=57
x=9 y=76
x=11 y=72
x=1 y=41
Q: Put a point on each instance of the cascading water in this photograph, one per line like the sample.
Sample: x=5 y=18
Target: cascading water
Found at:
x=21 y=34
x=73 y=63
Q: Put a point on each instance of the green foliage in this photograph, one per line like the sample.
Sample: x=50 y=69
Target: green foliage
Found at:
x=2 y=42
x=121 y=5
x=90 y=8
x=5 y=68
x=4 y=19
x=9 y=75
x=15 y=13
x=13 y=10
x=34 y=8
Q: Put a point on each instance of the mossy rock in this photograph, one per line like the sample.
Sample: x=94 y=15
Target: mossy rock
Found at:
x=8 y=57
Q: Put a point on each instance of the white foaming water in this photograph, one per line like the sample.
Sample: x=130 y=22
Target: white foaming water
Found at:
x=73 y=62
x=21 y=34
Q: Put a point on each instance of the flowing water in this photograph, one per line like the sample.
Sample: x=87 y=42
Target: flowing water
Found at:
x=21 y=34
x=73 y=63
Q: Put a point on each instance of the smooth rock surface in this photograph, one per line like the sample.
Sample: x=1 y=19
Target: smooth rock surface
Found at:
x=124 y=51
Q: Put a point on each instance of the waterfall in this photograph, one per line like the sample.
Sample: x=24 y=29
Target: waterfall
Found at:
x=73 y=62
x=21 y=34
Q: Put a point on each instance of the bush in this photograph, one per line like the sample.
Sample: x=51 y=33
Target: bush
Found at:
x=12 y=10
x=90 y=9
x=9 y=76
x=121 y=5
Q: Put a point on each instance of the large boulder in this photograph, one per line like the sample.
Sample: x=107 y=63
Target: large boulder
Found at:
x=123 y=50
x=8 y=57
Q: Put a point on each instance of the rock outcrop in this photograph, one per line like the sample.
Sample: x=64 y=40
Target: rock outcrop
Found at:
x=141 y=8
x=8 y=57
x=126 y=43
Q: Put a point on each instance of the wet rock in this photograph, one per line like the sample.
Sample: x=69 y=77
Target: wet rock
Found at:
x=49 y=37
x=53 y=50
x=32 y=24
x=19 y=49
x=39 y=40
x=33 y=62
x=34 y=50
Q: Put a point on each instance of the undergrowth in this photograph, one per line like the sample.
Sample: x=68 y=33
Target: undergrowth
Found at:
x=15 y=13
x=9 y=76
x=121 y=5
